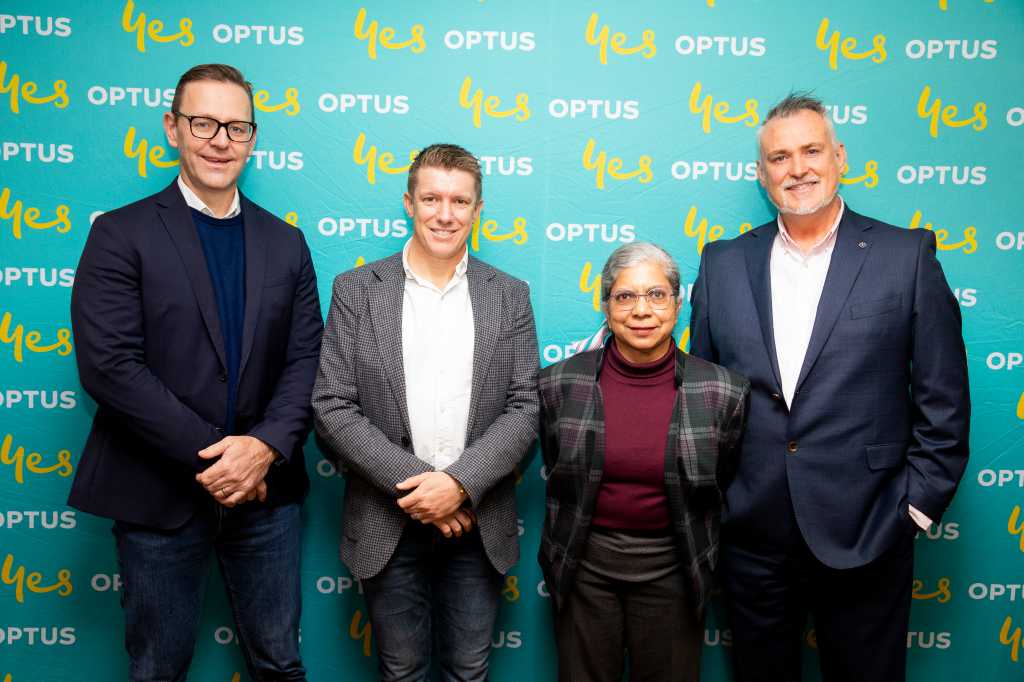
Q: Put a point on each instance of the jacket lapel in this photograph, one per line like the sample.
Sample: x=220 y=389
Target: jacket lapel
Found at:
x=255 y=273
x=758 y=253
x=385 y=300
x=852 y=246
x=177 y=220
x=486 y=302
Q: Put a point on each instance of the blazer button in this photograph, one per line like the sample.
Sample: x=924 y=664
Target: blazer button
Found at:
x=792 y=446
x=222 y=377
x=405 y=441
x=776 y=396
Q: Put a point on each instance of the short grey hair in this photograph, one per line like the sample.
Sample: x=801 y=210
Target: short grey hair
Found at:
x=794 y=103
x=632 y=254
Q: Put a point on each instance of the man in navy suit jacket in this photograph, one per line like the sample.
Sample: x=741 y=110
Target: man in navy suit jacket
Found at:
x=197 y=328
x=858 y=428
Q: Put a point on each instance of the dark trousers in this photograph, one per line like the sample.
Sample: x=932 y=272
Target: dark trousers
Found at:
x=603 y=619
x=164 y=575
x=860 y=615
x=434 y=587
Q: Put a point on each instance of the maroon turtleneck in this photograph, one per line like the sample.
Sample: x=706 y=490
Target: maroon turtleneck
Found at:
x=638 y=404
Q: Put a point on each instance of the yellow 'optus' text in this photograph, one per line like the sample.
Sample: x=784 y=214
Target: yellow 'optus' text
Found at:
x=490 y=228
x=22 y=341
x=141 y=29
x=477 y=103
x=290 y=105
x=32 y=580
x=31 y=461
x=360 y=632
x=145 y=153
x=385 y=37
x=19 y=90
x=969 y=244
x=18 y=214
x=377 y=162
x=835 y=47
x=870 y=177
x=707 y=108
x=604 y=39
x=935 y=112
x=612 y=166
x=942 y=593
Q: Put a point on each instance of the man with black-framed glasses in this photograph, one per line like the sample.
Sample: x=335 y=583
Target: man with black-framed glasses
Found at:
x=197 y=328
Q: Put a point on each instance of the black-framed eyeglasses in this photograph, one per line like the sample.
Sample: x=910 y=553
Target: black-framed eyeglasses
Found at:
x=206 y=128
x=658 y=299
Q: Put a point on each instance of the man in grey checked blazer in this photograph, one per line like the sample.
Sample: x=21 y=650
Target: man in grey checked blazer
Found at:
x=426 y=397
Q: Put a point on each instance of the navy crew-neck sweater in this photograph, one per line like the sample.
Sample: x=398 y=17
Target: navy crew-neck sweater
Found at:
x=224 y=247
x=638 y=404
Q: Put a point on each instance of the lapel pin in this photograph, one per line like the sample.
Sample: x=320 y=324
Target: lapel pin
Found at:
x=863 y=245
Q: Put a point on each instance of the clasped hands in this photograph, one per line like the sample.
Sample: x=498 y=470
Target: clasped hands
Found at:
x=238 y=476
x=436 y=498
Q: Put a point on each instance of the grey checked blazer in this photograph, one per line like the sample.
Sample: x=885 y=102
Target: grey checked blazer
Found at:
x=700 y=454
x=362 y=419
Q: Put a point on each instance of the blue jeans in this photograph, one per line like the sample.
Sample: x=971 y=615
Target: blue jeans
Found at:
x=164 y=575
x=434 y=587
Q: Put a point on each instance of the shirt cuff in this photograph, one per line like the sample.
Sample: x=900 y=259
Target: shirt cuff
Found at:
x=919 y=518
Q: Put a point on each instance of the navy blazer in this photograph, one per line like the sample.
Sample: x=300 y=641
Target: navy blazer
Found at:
x=150 y=353
x=881 y=412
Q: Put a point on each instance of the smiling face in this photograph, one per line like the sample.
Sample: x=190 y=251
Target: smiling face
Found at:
x=210 y=167
x=443 y=209
x=643 y=333
x=800 y=163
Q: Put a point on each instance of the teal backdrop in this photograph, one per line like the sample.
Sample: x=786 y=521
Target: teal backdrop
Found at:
x=597 y=123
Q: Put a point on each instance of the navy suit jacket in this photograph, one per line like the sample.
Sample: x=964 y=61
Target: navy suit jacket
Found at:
x=881 y=412
x=150 y=353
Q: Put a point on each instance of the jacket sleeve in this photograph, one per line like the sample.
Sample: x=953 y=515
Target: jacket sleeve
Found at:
x=286 y=420
x=700 y=329
x=939 y=389
x=107 y=317
x=494 y=455
x=344 y=432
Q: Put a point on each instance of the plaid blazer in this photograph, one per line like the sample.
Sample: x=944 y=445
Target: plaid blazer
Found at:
x=362 y=418
x=700 y=455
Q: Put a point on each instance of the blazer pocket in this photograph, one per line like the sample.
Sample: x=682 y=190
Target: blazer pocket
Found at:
x=879 y=307
x=886 y=456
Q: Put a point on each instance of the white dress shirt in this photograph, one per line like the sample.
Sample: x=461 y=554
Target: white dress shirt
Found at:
x=798 y=278
x=193 y=201
x=437 y=356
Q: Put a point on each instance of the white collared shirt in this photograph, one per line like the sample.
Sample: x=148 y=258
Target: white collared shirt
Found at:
x=798 y=278
x=437 y=356
x=193 y=201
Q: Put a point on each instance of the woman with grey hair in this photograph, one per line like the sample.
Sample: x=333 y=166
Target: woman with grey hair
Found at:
x=638 y=439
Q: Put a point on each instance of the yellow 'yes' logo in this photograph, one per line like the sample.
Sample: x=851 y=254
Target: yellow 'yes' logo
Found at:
x=361 y=633
x=969 y=244
x=489 y=229
x=18 y=214
x=375 y=161
x=1020 y=407
x=290 y=105
x=832 y=44
x=292 y=218
x=1010 y=638
x=21 y=341
x=510 y=591
x=704 y=232
x=475 y=101
x=944 y=5
x=602 y=164
x=13 y=86
x=941 y=594
x=374 y=35
x=934 y=112
x=153 y=29
x=21 y=580
x=604 y=39
x=145 y=153
x=591 y=286
x=870 y=177
x=706 y=108
x=1015 y=527
x=32 y=462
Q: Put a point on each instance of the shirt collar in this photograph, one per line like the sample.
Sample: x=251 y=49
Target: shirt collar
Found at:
x=460 y=269
x=193 y=201
x=824 y=242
